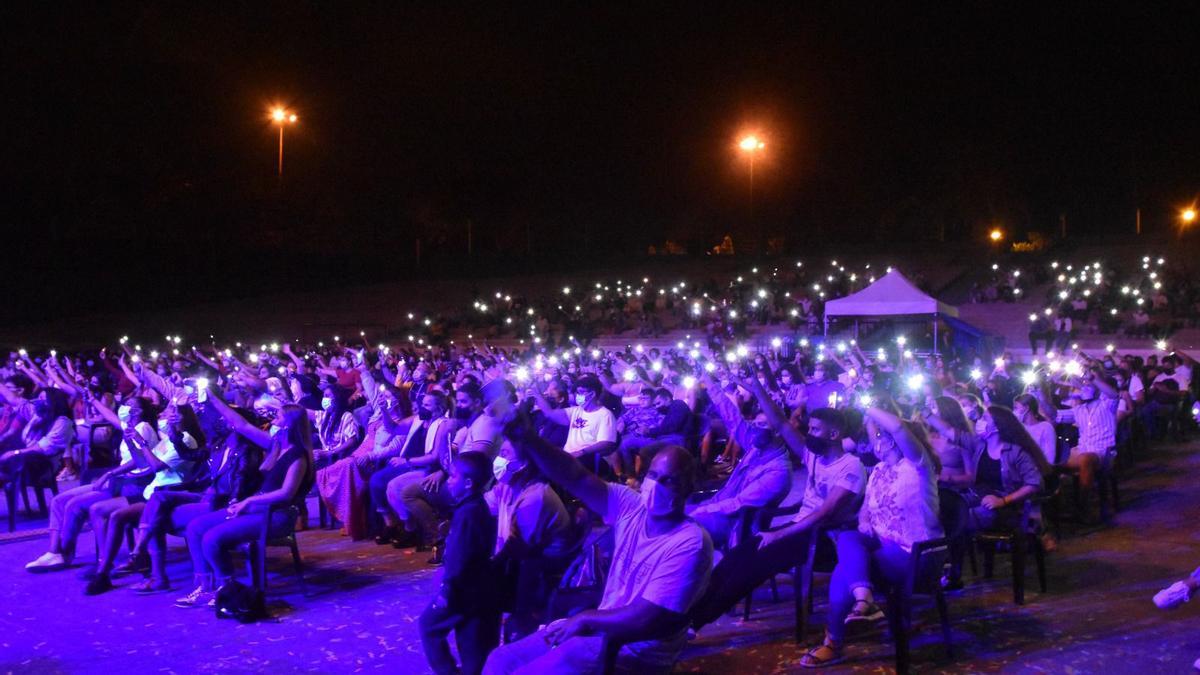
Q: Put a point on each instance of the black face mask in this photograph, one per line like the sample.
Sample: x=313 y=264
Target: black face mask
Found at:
x=41 y=407
x=663 y=409
x=424 y=414
x=462 y=413
x=762 y=437
x=816 y=444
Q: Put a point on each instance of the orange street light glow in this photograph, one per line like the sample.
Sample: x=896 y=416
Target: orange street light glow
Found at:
x=751 y=143
x=996 y=235
x=1188 y=215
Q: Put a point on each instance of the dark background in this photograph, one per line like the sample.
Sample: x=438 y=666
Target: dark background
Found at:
x=138 y=163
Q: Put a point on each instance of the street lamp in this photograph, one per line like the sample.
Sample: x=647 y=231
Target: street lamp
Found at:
x=1187 y=216
x=282 y=117
x=996 y=235
x=752 y=146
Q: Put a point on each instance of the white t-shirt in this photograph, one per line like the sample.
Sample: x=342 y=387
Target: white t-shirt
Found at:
x=1135 y=385
x=845 y=472
x=168 y=454
x=670 y=570
x=1047 y=440
x=588 y=428
x=902 y=503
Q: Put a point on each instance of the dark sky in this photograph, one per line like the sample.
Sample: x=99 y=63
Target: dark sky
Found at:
x=136 y=143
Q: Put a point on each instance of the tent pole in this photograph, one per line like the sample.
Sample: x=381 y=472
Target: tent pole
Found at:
x=826 y=333
x=856 y=330
x=935 y=332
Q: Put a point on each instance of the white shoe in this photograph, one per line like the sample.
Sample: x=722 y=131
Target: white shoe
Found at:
x=1172 y=596
x=46 y=561
x=197 y=598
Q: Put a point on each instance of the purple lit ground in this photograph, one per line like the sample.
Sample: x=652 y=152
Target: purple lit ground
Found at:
x=364 y=600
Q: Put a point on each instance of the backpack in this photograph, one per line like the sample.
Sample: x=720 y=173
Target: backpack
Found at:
x=236 y=600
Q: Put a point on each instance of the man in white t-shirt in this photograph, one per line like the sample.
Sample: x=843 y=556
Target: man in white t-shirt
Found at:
x=591 y=428
x=660 y=567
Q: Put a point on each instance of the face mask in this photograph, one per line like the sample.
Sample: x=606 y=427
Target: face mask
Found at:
x=326 y=402
x=504 y=470
x=973 y=415
x=762 y=437
x=162 y=425
x=655 y=498
x=462 y=413
x=41 y=407
x=816 y=443
x=424 y=414
x=985 y=429
x=581 y=399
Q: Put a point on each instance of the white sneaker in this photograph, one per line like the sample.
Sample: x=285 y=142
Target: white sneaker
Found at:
x=46 y=561
x=1172 y=596
x=197 y=598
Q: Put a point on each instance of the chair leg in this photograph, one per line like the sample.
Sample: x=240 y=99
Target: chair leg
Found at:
x=10 y=498
x=40 y=493
x=299 y=565
x=944 y=615
x=774 y=590
x=989 y=560
x=1039 y=556
x=25 y=496
x=969 y=543
x=1116 y=495
x=1018 y=568
x=897 y=611
x=746 y=606
x=803 y=581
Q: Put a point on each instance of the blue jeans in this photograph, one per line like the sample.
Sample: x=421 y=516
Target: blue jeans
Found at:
x=860 y=559
x=212 y=536
x=378 y=489
x=581 y=655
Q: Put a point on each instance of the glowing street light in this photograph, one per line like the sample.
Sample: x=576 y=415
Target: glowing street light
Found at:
x=282 y=117
x=996 y=235
x=1187 y=216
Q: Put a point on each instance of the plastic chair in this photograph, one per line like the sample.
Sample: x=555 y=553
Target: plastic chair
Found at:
x=929 y=559
x=26 y=476
x=1019 y=539
x=256 y=551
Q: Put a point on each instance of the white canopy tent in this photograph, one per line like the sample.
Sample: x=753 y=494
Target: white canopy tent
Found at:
x=891 y=295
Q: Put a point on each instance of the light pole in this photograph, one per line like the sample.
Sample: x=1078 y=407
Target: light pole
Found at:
x=281 y=117
x=751 y=145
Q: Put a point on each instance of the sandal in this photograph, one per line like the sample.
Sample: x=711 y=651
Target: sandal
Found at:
x=864 y=610
x=826 y=655
x=150 y=586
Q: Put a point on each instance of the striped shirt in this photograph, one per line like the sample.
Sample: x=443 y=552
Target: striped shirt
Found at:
x=1097 y=424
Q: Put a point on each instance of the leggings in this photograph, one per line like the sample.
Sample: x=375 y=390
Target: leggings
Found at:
x=861 y=558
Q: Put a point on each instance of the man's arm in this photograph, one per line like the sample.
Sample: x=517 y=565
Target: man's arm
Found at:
x=776 y=418
x=638 y=621
x=838 y=497
x=556 y=415
x=563 y=469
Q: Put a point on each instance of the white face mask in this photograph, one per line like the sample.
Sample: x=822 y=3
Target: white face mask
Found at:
x=655 y=498
x=326 y=402
x=581 y=399
x=504 y=470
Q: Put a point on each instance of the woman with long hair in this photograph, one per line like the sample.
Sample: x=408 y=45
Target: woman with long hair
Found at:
x=287 y=477
x=179 y=442
x=956 y=440
x=69 y=509
x=1007 y=470
x=900 y=509
x=1028 y=411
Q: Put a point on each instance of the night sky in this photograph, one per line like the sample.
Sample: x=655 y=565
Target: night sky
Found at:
x=139 y=164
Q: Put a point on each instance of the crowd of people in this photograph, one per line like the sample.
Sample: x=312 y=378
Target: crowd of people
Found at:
x=603 y=502
x=622 y=495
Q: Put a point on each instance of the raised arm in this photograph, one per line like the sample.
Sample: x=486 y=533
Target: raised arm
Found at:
x=561 y=468
x=239 y=424
x=776 y=418
x=556 y=415
x=905 y=440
